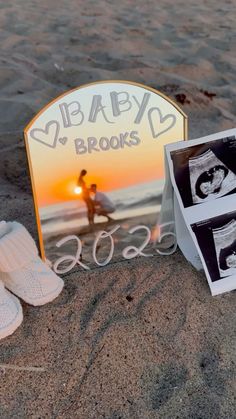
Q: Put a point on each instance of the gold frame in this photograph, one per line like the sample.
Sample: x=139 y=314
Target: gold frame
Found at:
x=26 y=129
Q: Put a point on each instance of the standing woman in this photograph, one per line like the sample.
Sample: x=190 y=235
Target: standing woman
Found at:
x=86 y=197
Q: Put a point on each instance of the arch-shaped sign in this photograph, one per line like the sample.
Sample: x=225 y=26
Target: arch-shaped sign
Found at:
x=96 y=160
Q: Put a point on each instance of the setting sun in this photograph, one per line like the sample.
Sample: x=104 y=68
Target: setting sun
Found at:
x=78 y=190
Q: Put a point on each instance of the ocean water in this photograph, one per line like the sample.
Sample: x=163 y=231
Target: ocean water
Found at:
x=129 y=202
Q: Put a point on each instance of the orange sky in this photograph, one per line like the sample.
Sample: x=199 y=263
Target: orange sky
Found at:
x=56 y=170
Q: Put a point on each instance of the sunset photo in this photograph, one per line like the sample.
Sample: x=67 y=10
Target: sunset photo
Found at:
x=92 y=176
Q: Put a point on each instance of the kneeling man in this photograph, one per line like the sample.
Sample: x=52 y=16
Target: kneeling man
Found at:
x=103 y=205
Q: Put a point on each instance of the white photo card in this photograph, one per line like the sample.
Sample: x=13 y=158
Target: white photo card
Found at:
x=203 y=175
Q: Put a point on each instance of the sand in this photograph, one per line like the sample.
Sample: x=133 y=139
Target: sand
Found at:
x=144 y=338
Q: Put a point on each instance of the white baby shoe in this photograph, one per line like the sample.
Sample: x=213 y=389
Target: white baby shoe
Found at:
x=11 y=314
x=22 y=270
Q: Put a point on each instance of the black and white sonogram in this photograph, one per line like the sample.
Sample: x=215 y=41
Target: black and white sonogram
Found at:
x=217 y=240
x=225 y=244
x=209 y=178
x=205 y=172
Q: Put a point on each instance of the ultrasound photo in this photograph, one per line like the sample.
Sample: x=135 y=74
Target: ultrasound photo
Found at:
x=206 y=171
x=217 y=240
x=225 y=245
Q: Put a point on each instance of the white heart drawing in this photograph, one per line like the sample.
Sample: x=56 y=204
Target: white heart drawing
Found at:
x=63 y=140
x=161 y=120
x=47 y=136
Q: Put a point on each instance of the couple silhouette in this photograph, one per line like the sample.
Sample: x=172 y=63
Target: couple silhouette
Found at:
x=100 y=204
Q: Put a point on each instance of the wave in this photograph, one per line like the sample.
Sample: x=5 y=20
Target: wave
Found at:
x=80 y=211
x=146 y=201
x=126 y=200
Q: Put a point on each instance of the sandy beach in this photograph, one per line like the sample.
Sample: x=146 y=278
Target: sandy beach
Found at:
x=140 y=339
